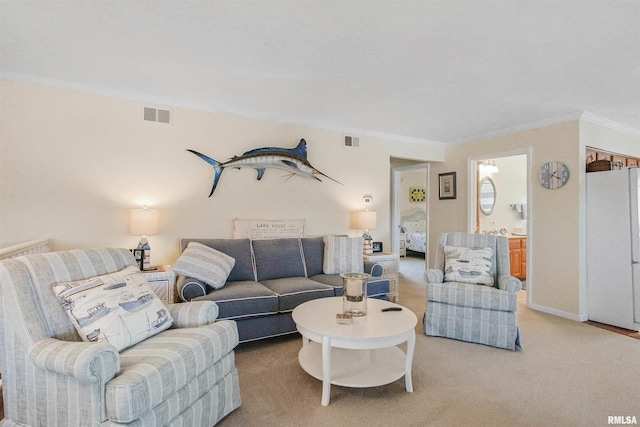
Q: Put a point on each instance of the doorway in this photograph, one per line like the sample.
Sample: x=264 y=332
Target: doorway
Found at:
x=499 y=202
x=410 y=207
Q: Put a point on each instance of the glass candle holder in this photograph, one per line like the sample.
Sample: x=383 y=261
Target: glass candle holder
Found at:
x=354 y=299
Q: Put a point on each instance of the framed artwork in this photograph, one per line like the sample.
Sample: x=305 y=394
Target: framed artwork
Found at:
x=377 y=246
x=447 y=185
x=416 y=194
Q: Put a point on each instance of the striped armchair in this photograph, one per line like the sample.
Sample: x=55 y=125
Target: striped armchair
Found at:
x=184 y=375
x=471 y=312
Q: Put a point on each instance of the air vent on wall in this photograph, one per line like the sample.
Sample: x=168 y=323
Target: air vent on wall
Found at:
x=157 y=115
x=351 y=141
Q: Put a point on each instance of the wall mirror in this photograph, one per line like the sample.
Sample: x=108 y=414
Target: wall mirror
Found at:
x=487 y=195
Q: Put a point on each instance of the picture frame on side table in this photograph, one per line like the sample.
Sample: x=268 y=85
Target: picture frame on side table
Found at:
x=447 y=186
x=377 y=247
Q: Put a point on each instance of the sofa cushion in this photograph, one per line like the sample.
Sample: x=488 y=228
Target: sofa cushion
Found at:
x=469 y=295
x=243 y=299
x=238 y=249
x=333 y=280
x=313 y=250
x=468 y=265
x=342 y=255
x=293 y=291
x=119 y=308
x=277 y=258
x=155 y=369
x=204 y=263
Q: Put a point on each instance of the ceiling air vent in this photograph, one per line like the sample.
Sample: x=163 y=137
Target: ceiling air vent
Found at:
x=156 y=115
x=351 y=141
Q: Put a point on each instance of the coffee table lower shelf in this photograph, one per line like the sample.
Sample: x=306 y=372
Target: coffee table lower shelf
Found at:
x=355 y=368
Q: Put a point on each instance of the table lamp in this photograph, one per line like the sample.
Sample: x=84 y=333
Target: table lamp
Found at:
x=365 y=220
x=144 y=222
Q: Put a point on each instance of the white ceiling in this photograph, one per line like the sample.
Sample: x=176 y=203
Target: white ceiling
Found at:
x=445 y=71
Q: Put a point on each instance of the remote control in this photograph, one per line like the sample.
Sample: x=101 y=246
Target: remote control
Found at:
x=392 y=309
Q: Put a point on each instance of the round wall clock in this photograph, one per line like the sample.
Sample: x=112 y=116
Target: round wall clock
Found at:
x=553 y=175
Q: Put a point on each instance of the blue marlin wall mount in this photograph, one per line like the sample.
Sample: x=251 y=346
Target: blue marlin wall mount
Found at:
x=292 y=160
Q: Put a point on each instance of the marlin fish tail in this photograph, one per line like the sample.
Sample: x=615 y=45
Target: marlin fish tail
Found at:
x=216 y=166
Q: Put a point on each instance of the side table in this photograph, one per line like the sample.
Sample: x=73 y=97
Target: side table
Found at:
x=403 y=244
x=390 y=263
x=163 y=283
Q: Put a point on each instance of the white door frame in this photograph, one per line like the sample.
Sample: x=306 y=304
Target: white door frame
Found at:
x=395 y=204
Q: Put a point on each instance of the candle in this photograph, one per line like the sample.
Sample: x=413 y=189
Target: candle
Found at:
x=354 y=287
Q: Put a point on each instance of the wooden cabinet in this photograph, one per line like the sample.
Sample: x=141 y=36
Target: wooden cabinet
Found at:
x=618 y=160
x=518 y=257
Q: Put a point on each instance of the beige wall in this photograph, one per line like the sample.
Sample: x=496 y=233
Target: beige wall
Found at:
x=554 y=270
x=556 y=242
x=408 y=180
x=73 y=164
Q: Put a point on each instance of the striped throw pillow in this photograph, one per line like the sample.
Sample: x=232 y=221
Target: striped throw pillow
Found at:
x=204 y=263
x=342 y=255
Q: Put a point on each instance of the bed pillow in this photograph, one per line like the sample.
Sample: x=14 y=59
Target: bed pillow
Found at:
x=342 y=255
x=414 y=226
x=119 y=308
x=468 y=265
x=204 y=263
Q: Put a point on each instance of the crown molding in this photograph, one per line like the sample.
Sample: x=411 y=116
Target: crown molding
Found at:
x=521 y=128
x=577 y=116
x=145 y=98
x=610 y=124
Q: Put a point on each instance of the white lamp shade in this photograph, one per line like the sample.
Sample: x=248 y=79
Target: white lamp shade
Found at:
x=144 y=222
x=364 y=220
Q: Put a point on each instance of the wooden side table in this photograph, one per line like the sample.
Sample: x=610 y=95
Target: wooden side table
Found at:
x=389 y=262
x=163 y=283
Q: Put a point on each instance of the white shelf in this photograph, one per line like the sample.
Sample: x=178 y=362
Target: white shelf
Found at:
x=355 y=368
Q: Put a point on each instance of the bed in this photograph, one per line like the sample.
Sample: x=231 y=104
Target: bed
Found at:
x=414 y=225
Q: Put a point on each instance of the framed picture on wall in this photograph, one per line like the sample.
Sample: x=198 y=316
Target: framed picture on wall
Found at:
x=447 y=185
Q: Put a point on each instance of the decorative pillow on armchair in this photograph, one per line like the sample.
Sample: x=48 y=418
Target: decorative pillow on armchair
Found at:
x=468 y=265
x=204 y=263
x=119 y=307
x=342 y=255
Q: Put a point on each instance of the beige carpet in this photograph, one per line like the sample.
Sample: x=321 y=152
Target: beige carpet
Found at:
x=569 y=374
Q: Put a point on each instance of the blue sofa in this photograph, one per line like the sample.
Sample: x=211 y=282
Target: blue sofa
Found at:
x=271 y=278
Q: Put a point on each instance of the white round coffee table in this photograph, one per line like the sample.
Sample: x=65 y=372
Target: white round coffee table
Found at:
x=361 y=354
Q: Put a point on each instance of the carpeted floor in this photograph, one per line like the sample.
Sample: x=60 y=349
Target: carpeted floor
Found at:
x=569 y=374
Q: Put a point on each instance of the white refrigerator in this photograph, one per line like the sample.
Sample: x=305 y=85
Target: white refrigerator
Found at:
x=613 y=248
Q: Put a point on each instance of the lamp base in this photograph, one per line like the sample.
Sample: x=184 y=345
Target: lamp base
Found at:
x=367 y=245
x=144 y=250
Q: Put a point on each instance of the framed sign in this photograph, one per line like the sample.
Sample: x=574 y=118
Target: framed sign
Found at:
x=447 y=185
x=256 y=229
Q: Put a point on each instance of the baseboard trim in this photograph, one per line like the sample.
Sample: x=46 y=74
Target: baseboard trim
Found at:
x=549 y=310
